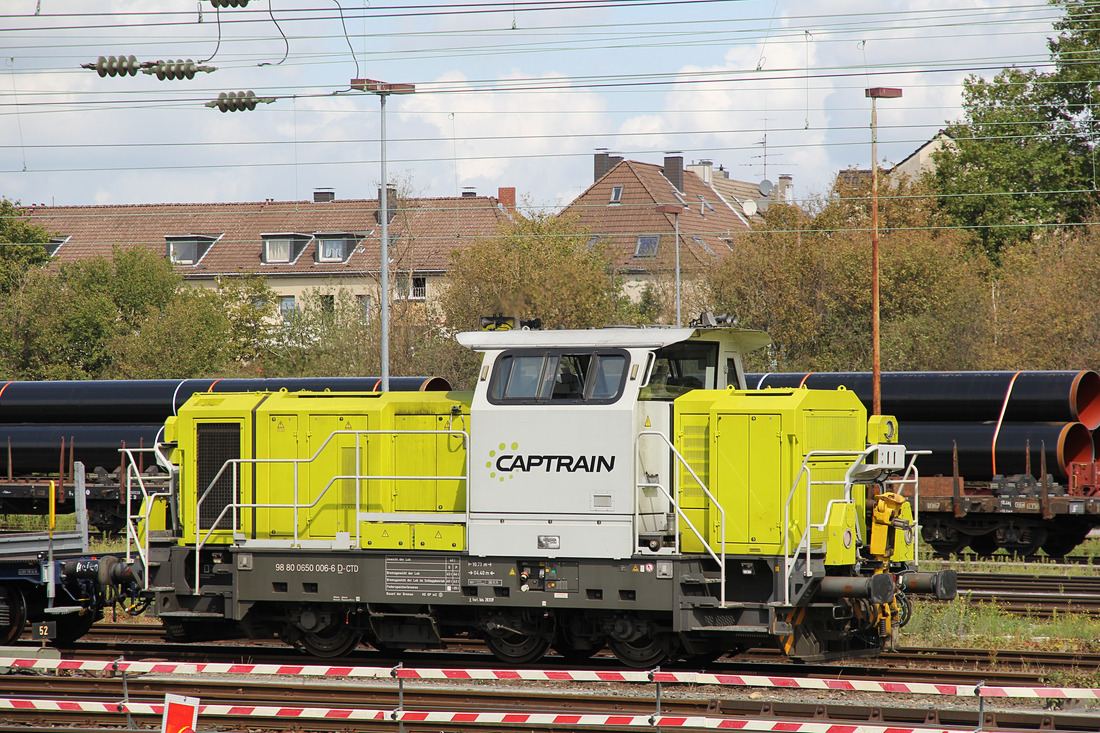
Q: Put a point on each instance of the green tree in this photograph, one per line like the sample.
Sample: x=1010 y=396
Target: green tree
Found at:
x=20 y=246
x=1022 y=158
x=128 y=316
x=536 y=267
x=190 y=337
x=1044 y=315
x=806 y=280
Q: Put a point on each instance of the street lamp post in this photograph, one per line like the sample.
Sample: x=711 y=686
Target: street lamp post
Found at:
x=383 y=90
x=675 y=211
x=876 y=93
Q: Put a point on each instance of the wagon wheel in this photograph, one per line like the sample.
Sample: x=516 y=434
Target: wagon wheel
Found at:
x=946 y=548
x=641 y=653
x=1063 y=541
x=331 y=641
x=13 y=614
x=515 y=648
x=984 y=544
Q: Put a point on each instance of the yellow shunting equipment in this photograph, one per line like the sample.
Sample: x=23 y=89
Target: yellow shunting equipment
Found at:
x=320 y=466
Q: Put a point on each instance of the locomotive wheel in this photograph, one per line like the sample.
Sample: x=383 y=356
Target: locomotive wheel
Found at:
x=984 y=544
x=13 y=614
x=331 y=641
x=640 y=653
x=577 y=654
x=516 y=648
x=573 y=648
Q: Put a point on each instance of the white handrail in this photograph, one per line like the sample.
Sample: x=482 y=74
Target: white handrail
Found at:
x=145 y=508
x=201 y=540
x=679 y=512
x=859 y=458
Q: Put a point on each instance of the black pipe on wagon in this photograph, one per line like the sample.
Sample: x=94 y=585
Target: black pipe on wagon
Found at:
x=943 y=397
x=154 y=400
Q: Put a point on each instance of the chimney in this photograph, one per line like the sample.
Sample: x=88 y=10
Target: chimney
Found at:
x=507 y=198
x=391 y=204
x=323 y=195
x=603 y=162
x=783 y=192
x=468 y=192
x=704 y=169
x=674 y=170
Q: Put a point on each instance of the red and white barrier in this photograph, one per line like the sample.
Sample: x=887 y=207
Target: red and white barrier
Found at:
x=552 y=675
x=441 y=717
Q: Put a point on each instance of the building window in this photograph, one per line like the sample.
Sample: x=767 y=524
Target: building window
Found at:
x=364 y=303
x=328 y=303
x=411 y=288
x=647 y=245
x=616 y=195
x=705 y=203
x=287 y=305
x=592 y=242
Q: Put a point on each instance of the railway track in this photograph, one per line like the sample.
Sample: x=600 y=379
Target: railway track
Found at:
x=1042 y=596
x=623 y=699
x=108 y=642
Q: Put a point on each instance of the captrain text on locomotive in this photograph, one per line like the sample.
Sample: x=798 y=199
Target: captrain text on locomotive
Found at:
x=614 y=487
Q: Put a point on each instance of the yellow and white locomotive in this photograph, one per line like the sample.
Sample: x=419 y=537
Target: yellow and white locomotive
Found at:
x=613 y=487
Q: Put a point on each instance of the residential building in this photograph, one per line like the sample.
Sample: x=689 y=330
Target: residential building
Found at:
x=920 y=160
x=327 y=244
x=749 y=200
x=620 y=210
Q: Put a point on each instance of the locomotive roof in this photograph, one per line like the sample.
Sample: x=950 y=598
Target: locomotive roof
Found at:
x=736 y=338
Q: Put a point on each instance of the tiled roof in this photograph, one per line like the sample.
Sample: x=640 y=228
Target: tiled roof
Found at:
x=424 y=231
x=736 y=193
x=706 y=221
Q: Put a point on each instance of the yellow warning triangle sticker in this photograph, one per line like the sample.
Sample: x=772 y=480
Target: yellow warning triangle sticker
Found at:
x=347 y=426
x=512 y=571
x=385 y=533
x=635 y=568
x=648 y=424
x=438 y=535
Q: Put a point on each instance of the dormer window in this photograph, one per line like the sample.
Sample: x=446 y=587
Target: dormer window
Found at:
x=283 y=248
x=335 y=247
x=699 y=241
x=188 y=249
x=55 y=244
x=616 y=195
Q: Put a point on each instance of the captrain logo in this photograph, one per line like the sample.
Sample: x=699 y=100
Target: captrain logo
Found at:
x=507 y=464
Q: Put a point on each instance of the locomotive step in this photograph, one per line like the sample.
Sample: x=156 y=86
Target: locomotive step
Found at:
x=190 y=614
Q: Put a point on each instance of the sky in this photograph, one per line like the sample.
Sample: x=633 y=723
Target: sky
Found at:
x=518 y=94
